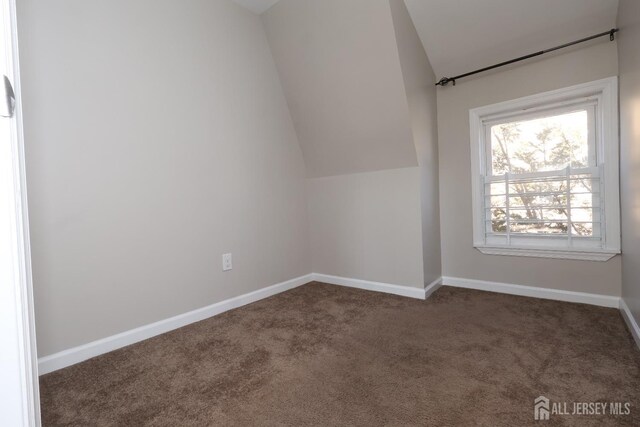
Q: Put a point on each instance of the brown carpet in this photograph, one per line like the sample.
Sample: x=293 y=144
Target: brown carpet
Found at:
x=327 y=355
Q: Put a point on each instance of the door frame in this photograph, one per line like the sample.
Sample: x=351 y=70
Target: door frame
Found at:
x=17 y=330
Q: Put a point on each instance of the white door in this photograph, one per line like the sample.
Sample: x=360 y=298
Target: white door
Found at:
x=19 y=403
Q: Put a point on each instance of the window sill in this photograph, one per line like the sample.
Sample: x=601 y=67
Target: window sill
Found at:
x=576 y=254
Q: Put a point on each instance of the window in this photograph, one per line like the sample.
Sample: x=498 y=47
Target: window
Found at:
x=545 y=174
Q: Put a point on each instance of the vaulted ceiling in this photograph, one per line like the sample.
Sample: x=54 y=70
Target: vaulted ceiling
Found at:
x=463 y=35
x=341 y=74
x=257 y=6
x=340 y=63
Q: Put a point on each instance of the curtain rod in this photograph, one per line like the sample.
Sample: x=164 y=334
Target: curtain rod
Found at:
x=445 y=80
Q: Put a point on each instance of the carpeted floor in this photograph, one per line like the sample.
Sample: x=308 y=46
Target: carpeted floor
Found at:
x=328 y=355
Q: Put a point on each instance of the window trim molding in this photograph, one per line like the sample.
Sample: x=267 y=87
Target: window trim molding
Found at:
x=575 y=254
x=606 y=91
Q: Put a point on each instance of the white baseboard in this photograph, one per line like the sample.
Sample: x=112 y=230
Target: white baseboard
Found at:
x=86 y=351
x=432 y=287
x=405 y=291
x=83 y=352
x=630 y=320
x=535 y=292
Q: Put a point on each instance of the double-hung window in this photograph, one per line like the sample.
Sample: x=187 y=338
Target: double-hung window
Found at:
x=545 y=174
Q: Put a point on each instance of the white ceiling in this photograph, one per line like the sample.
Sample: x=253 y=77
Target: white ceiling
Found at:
x=257 y=6
x=463 y=35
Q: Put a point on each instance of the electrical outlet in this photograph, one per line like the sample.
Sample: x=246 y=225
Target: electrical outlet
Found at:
x=227 y=263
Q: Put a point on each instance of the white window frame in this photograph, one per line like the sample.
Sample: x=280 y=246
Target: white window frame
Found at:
x=605 y=94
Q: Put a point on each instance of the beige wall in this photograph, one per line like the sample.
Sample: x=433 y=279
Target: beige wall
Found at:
x=350 y=97
x=157 y=138
x=367 y=226
x=629 y=54
x=419 y=79
x=459 y=258
x=339 y=68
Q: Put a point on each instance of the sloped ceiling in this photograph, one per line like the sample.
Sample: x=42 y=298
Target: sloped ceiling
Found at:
x=256 y=6
x=339 y=67
x=464 y=35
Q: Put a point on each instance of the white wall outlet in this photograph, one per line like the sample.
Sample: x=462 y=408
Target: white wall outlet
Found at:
x=227 y=263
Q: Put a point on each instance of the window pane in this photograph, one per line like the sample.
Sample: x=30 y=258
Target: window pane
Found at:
x=583 y=200
x=499 y=201
x=557 y=185
x=546 y=222
x=539 y=228
x=498 y=220
x=583 y=184
x=583 y=229
x=544 y=203
x=543 y=144
x=520 y=201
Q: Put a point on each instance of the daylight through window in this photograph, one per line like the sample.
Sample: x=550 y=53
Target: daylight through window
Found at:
x=542 y=177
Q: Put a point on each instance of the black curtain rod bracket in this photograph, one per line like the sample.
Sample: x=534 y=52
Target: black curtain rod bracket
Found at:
x=446 y=80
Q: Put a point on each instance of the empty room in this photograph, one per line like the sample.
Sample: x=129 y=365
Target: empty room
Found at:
x=320 y=213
